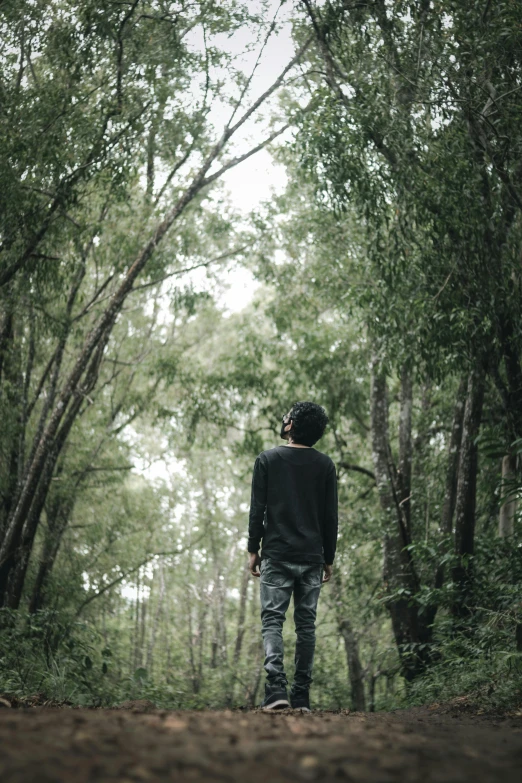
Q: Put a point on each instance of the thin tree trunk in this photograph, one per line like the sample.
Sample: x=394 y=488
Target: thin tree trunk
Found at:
x=202 y=618
x=355 y=670
x=14 y=567
x=219 y=641
x=11 y=392
x=56 y=361
x=241 y=616
x=17 y=573
x=151 y=149
x=192 y=659
x=59 y=513
x=57 y=528
x=374 y=676
x=238 y=646
x=132 y=609
x=6 y=336
x=405 y=444
x=450 y=492
x=136 y=662
x=143 y=627
x=351 y=646
x=466 y=494
x=508 y=508
x=255 y=652
x=23 y=416
x=512 y=394
x=157 y=617
x=518 y=637
x=221 y=628
x=452 y=471
x=195 y=638
x=399 y=576
x=196 y=646
x=57 y=520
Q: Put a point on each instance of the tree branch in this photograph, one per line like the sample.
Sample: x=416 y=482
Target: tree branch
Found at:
x=357 y=469
x=229 y=254
x=131 y=571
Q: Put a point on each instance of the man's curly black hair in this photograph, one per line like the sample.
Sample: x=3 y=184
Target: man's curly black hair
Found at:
x=309 y=422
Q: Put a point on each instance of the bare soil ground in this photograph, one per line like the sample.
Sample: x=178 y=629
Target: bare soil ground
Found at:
x=438 y=744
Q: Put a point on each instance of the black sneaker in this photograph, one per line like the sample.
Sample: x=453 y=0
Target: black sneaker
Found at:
x=275 y=700
x=300 y=701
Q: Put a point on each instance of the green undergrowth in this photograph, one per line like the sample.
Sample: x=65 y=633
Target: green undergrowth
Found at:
x=45 y=658
x=492 y=682
x=481 y=662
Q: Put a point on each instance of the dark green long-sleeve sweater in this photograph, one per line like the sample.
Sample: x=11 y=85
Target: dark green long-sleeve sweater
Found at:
x=293 y=509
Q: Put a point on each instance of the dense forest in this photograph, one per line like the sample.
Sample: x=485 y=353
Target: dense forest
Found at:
x=386 y=284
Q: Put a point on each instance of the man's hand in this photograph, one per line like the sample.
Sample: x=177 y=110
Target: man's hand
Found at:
x=327 y=573
x=254 y=562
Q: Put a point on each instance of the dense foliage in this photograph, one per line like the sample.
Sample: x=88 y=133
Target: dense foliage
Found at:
x=133 y=403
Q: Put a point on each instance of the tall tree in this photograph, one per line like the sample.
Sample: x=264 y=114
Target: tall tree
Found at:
x=126 y=60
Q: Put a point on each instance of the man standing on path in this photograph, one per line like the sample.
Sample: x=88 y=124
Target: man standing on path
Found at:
x=294 y=511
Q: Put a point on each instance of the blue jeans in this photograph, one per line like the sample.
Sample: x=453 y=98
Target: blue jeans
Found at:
x=278 y=581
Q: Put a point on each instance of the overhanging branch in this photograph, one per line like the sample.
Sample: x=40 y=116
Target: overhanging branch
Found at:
x=357 y=469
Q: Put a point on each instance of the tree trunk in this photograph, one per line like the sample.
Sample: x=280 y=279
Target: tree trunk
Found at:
x=405 y=445
x=351 y=646
x=219 y=641
x=157 y=617
x=151 y=149
x=355 y=670
x=143 y=628
x=58 y=515
x=400 y=579
x=45 y=567
x=14 y=568
x=374 y=676
x=450 y=492
x=466 y=494
x=518 y=637
x=6 y=336
x=196 y=646
x=202 y=619
x=192 y=658
x=10 y=388
x=242 y=613
x=238 y=646
x=452 y=471
x=136 y=660
x=195 y=638
x=18 y=567
x=255 y=653
x=508 y=509
x=512 y=394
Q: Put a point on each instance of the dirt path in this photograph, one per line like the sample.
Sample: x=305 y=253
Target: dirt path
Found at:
x=133 y=746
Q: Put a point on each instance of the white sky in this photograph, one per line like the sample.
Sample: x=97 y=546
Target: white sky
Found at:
x=259 y=177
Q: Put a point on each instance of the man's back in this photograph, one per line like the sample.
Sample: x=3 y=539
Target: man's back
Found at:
x=294 y=505
x=294 y=511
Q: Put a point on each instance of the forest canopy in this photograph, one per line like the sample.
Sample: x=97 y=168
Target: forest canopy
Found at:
x=384 y=282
